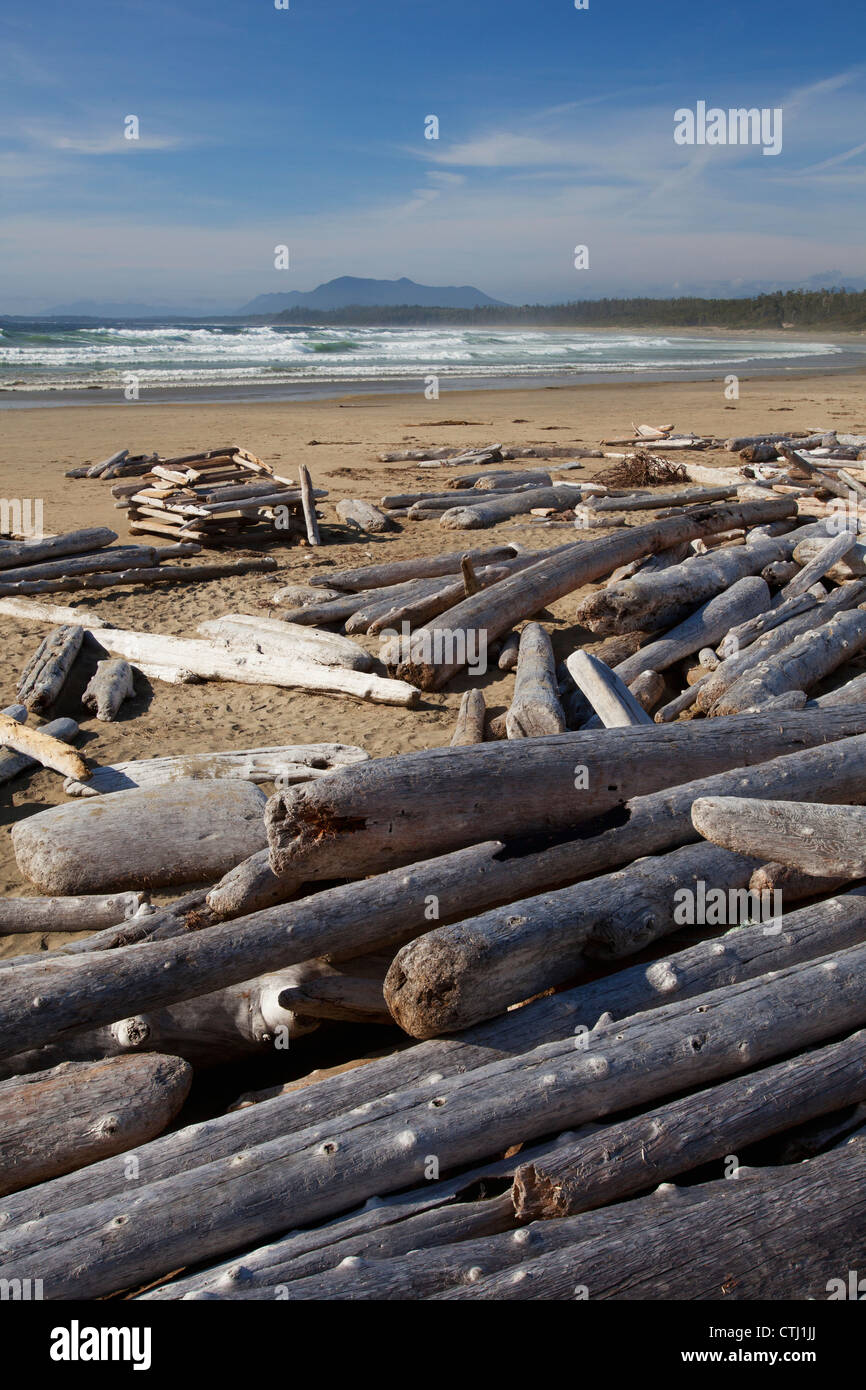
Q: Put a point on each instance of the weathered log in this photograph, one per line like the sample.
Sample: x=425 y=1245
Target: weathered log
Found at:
x=251 y=886
x=706 y=626
x=111 y=684
x=339 y=1165
x=95 y=470
x=448 y=797
x=201 y=659
x=183 y=832
x=793 y=884
x=420 y=567
x=14 y=553
x=497 y=610
x=646 y=600
x=848 y=694
x=364 y=515
x=642 y=501
x=470 y=719
x=827 y=555
x=457 y=976
x=741 y=663
x=38 y=746
x=611 y=699
x=738 y=956
x=648 y=688
x=623 y=1159
x=366 y=603
x=501 y=506
x=49 y=612
x=852 y=565
x=120 y=558
x=275 y=637
x=814 y=838
x=426 y=602
x=302 y=595
x=744 y=634
x=186 y=573
x=284 y=764
x=508 y=656
x=674 y=708
x=68 y=914
x=60 y=1120
x=798 y=666
x=45 y=674
x=13 y=764
x=308 y=500
x=535 y=709
x=783 y=1233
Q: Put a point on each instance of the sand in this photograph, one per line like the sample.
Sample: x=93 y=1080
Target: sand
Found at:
x=339 y=440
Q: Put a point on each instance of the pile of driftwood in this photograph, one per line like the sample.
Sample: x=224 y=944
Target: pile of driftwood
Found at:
x=622 y=957
x=220 y=495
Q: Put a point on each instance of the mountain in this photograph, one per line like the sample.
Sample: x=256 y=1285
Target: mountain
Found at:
x=352 y=290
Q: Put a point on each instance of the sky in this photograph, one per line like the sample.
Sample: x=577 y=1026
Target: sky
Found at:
x=305 y=127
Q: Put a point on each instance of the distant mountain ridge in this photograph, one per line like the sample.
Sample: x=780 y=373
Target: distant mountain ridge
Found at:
x=354 y=291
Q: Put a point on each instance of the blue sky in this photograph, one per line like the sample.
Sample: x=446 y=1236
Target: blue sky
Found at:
x=305 y=126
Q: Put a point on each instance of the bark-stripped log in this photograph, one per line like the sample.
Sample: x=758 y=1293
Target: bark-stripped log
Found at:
x=734 y=667
x=828 y=555
x=68 y=914
x=500 y=506
x=391 y=810
x=742 y=955
x=470 y=719
x=38 y=746
x=793 y=884
x=184 y=832
x=111 y=684
x=791 y=1232
x=308 y=501
x=364 y=515
x=420 y=567
x=284 y=764
x=852 y=565
x=624 y=1159
x=275 y=637
x=497 y=610
x=120 y=558
x=45 y=674
x=669 y=596
x=798 y=666
x=457 y=976
x=611 y=699
x=13 y=553
x=35 y=611
x=814 y=838
x=706 y=627
x=13 y=764
x=307 y=1176
x=56 y=1121
x=535 y=709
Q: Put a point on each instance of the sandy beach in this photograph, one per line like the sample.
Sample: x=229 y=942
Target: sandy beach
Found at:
x=340 y=441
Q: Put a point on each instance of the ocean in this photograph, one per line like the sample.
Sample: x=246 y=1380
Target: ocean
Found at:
x=208 y=360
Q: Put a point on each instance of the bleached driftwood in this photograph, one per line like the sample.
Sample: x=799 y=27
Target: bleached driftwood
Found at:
x=14 y=553
x=184 y=832
x=448 y=797
x=308 y=501
x=420 y=567
x=111 y=684
x=42 y=748
x=738 y=956
x=611 y=699
x=501 y=506
x=456 y=976
x=535 y=708
x=744 y=599
x=364 y=515
x=286 y=763
x=799 y=665
x=49 y=612
x=68 y=914
x=45 y=674
x=814 y=838
x=320 y=1171
x=58 y=1120
x=496 y=610
x=851 y=565
x=470 y=719
x=274 y=637
x=13 y=764
x=156 y=652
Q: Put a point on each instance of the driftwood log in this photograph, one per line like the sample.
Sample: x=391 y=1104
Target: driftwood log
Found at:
x=742 y=955
x=706 y=627
x=13 y=764
x=68 y=914
x=613 y=702
x=183 y=832
x=364 y=515
x=40 y=747
x=497 y=610
x=58 y=1120
x=470 y=719
x=276 y=637
x=391 y=810
x=798 y=666
x=111 y=684
x=420 y=567
x=535 y=709
x=814 y=838
x=13 y=553
x=45 y=674
x=285 y=764
x=309 y=1175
